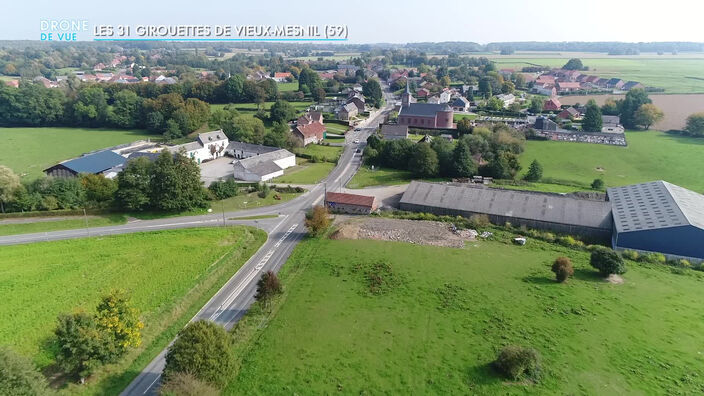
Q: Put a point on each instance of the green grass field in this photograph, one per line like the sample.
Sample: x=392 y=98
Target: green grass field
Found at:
x=681 y=74
x=169 y=275
x=67 y=224
x=336 y=128
x=305 y=173
x=649 y=156
x=447 y=313
x=28 y=151
x=325 y=153
x=288 y=86
x=366 y=177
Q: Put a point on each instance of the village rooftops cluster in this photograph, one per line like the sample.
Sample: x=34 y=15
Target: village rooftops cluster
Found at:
x=564 y=82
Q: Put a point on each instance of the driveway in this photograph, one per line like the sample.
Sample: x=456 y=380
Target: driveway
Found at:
x=217 y=169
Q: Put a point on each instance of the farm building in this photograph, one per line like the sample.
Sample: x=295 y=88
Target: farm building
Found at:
x=394 y=131
x=95 y=163
x=547 y=211
x=658 y=217
x=350 y=203
x=264 y=166
x=207 y=146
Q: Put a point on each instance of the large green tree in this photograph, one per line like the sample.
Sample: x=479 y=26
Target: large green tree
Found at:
x=120 y=320
x=175 y=184
x=535 y=171
x=133 y=185
x=647 y=115
x=695 y=124
x=124 y=112
x=630 y=105
x=423 y=161
x=282 y=111
x=9 y=183
x=573 y=64
x=82 y=344
x=592 y=121
x=463 y=163
x=372 y=91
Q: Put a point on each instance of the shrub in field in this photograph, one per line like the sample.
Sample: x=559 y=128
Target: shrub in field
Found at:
x=267 y=287
x=264 y=190
x=562 y=267
x=631 y=255
x=516 y=363
x=379 y=277
x=18 y=376
x=204 y=350
x=184 y=384
x=607 y=261
x=656 y=258
x=479 y=221
x=317 y=220
x=224 y=189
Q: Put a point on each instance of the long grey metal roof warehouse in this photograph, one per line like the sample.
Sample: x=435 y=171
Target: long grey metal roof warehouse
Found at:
x=556 y=212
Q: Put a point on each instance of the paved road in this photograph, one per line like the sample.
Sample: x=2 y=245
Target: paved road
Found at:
x=234 y=298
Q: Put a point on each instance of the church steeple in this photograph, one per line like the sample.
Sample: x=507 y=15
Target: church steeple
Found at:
x=406 y=97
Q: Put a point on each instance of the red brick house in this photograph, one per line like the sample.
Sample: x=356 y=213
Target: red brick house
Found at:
x=422 y=93
x=309 y=133
x=567 y=86
x=310 y=117
x=552 y=104
x=350 y=203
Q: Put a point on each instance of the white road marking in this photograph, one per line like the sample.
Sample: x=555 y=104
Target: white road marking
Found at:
x=245 y=282
x=152 y=384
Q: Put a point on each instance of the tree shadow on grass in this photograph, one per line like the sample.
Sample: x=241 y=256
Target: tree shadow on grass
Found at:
x=588 y=275
x=483 y=374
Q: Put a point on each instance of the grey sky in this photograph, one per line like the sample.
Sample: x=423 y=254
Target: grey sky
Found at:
x=393 y=21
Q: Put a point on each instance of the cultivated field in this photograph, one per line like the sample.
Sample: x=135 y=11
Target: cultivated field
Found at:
x=28 y=151
x=683 y=73
x=650 y=155
x=676 y=107
x=169 y=274
x=441 y=314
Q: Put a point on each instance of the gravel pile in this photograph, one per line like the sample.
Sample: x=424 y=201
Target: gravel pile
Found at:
x=433 y=233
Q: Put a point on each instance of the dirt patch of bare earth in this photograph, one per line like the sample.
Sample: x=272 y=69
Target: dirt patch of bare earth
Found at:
x=615 y=279
x=433 y=233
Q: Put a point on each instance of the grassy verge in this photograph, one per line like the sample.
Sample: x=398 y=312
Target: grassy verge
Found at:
x=325 y=153
x=366 y=177
x=444 y=314
x=305 y=173
x=168 y=274
x=56 y=225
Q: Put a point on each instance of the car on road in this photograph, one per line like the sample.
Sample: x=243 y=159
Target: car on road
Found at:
x=358 y=151
x=356 y=141
x=357 y=129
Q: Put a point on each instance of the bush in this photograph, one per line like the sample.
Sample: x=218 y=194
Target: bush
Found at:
x=263 y=190
x=516 y=362
x=607 y=261
x=562 y=267
x=655 y=258
x=479 y=221
x=267 y=287
x=18 y=376
x=184 y=384
x=631 y=255
x=598 y=184
x=317 y=220
x=204 y=350
x=224 y=189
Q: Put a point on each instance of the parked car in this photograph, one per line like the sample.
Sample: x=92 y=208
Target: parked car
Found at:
x=356 y=141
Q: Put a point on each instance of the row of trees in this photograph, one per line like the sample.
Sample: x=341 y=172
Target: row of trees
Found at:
x=171 y=183
x=484 y=151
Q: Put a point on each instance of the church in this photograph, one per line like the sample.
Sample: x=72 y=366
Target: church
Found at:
x=424 y=115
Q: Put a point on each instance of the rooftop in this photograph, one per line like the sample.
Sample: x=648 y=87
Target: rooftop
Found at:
x=654 y=205
x=350 y=199
x=95 y=162
x=424 y=109
x=528 y=205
